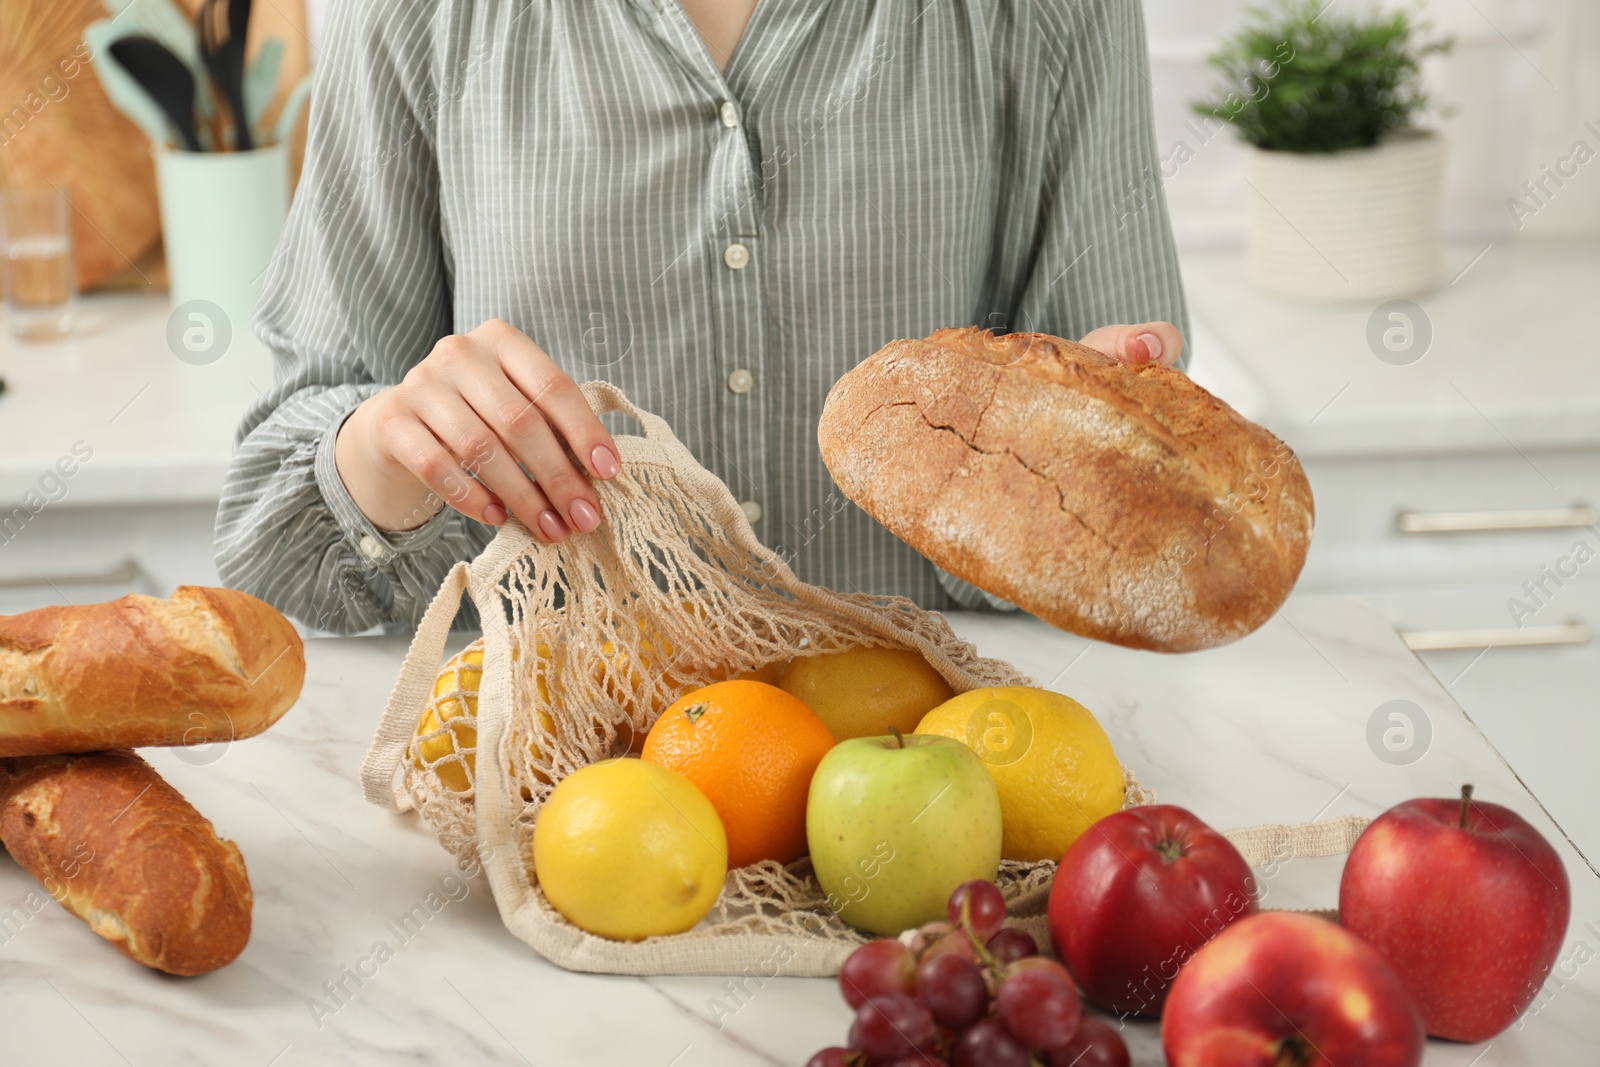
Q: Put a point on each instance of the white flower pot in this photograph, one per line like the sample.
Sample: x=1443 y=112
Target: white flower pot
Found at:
x=1350 y=226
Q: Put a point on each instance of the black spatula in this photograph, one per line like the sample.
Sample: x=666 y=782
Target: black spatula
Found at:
x=222 y=41
x=165 y=77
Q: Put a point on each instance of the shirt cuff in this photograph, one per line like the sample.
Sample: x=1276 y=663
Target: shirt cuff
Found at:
x=378 y=547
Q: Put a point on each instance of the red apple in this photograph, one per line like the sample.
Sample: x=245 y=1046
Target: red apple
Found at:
x=1468 y=902
x=1283 y=989
x=1136 y=896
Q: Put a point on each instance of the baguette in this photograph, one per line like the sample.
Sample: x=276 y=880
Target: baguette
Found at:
x=122 y=850
x=207 y=665
x=1123 y=503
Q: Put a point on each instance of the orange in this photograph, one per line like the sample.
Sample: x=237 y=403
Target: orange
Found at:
x=861 y=692
x=751 y=749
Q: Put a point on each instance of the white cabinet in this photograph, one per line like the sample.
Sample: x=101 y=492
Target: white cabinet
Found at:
x=1539 y=705
x=1379 y=519
x=1536 y=701
x=1501 y=418
x=87 y=554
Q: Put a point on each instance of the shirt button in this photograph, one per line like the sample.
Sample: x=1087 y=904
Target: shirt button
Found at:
x=741 y=381
x=730 y=114
x=752 y=510
x=736 y=256
x=370 y=546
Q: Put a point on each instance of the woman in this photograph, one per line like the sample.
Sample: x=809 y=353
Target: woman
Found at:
x=720 y=205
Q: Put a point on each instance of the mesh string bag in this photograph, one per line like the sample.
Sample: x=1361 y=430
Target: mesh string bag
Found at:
x=583 y=643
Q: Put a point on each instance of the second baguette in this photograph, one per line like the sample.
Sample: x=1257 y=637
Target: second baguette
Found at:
x=126 y=853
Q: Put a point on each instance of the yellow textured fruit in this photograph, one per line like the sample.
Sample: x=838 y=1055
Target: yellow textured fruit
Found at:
x=454 y=708
x=771 y=673
x=459 y=677
x=628 y=850
x=861 y=692
x=1051 y=761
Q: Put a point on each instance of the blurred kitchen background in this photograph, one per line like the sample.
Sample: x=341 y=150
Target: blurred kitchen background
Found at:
x=1444 y=395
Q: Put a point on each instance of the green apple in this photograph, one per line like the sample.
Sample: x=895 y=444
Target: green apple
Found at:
x=896 y=823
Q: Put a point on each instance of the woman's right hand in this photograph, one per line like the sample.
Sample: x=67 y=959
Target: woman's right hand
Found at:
x=481 y=402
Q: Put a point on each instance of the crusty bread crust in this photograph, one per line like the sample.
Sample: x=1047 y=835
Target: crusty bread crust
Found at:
x=123 y=851
x=1123 y=503
x=206 y=665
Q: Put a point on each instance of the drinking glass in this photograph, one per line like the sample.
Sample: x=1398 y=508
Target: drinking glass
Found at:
x=37 y=270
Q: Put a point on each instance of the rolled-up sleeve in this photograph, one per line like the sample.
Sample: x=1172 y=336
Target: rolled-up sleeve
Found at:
x=358 y=290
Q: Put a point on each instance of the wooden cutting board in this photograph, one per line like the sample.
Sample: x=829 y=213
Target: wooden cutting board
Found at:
x=61 y=130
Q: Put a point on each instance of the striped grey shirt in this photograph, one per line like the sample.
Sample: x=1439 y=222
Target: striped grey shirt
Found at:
x=723 y=246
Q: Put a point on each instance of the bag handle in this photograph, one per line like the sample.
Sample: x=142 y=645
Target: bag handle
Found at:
x=1270 y=845
x=410 y=695
x=604 y=397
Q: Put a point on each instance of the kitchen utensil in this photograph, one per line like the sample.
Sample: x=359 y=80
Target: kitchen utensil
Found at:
x=169 y=22
x=126 y=94
x=222 y=40
x=261 y=80
x=238 y=38
x=289 y=114
x=61 y=129
x=165 y=20
x=165 y=77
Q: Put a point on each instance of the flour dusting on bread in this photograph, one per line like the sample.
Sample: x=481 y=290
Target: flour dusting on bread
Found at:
x=1120 y=502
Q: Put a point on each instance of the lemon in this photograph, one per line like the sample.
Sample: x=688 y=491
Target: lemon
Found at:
x=1051 y=761
x=771 y=673
x=459 y=678
x=861 y=692
x=448 y=725
x=628 y=850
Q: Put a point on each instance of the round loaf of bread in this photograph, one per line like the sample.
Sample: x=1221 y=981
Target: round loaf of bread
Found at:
x=1120 y=502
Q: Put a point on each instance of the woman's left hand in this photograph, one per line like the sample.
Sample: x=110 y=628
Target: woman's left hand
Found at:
x=1149 y=342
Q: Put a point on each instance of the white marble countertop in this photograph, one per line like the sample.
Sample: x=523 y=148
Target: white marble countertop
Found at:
x=1272 y=729
x=1510 y=364
x=161 y=429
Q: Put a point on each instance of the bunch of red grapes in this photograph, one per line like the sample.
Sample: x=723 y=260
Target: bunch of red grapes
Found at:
x=970 y=992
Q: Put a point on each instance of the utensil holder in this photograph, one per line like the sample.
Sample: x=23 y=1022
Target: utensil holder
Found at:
x=221 y=216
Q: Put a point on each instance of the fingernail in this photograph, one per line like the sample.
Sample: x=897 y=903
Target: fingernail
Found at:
x=584 y=516
x=604 y=462
x=551 y=526
x=1152 y=344
x=494 y=515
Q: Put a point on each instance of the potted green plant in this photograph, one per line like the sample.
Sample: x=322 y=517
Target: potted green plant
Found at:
x=1346 y=187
